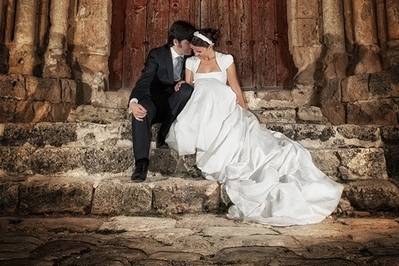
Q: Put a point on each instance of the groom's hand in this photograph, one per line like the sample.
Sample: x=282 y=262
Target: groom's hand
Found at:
x=138 y=111
x=178 y=85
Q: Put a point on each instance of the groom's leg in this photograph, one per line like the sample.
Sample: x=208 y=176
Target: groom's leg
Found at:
x=142 y=131
x=176 y=101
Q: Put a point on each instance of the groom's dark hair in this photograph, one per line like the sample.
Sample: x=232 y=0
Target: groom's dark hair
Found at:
x=180 y=30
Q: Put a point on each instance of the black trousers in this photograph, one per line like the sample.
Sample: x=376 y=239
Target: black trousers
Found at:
x=162 y=110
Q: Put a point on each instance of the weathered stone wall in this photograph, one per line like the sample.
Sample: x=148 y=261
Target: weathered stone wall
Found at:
x=63 y=45
x=334 y=43
x=33 y=99
x=358 y=82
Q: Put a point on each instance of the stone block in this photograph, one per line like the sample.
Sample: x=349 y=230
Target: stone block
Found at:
x=311 y=136
x=311 y=114
x=111 y=159
x=331 y=104
x=390 y=134
x=281 y=99
x=105 y=134
x=16 y=159
x=361 y=133
x=314 y=132
x=59 y=112
x=316 y=136
x=327 y=161
x=41 y=111
x=163 y=161
x=68 y=88
x=373 y=195
x=303 y=94
x=380 y=112
x=380 y=85
x=7 y=109
x=42 y=195
x=41 y=134
x=362 y=164
x=89 y=113
x=368 y=86
x=281 y=116
x=12 y=86
x=122 y=197
x=51 y=160
x=28 y=111
x=8 y=198
x=392 y=158
x=174 y=196
x=40 y=89
x=116 y=99
x=355 y=88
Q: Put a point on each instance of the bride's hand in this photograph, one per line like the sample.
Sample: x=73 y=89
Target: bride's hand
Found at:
x=178 y=85
x=243 y=104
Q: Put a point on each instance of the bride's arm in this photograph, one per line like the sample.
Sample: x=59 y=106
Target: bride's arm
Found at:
x=189 y=76
x=233 y=83
x=188 y=79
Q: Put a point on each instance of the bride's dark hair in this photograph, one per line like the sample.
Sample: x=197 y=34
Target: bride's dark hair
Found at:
x=212 y=34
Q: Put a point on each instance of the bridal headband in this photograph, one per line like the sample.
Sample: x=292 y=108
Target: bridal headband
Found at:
x=203 y=37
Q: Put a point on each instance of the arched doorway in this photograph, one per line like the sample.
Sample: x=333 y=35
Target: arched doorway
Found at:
x=254 y=31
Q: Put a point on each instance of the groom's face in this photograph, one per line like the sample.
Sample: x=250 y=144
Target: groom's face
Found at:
x=183 y=47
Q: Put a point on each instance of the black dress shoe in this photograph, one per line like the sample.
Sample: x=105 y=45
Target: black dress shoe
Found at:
x=140 y=170
x=161 y=144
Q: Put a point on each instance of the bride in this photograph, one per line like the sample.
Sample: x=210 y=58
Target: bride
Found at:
x=269 y=178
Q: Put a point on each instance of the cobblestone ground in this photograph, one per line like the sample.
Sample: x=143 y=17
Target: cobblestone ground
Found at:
x=195 y=240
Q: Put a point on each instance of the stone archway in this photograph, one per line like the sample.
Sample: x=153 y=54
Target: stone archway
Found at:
x=255 y=32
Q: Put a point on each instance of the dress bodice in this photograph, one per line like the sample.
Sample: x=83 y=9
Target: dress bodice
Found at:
x=223 y=61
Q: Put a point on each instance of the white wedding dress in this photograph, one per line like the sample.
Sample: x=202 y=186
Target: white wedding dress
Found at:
x=269 y=178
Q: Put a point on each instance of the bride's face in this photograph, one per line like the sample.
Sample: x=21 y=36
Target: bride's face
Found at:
x=201 y=51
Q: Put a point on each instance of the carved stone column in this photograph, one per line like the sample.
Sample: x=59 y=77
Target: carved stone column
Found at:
x=392 y=11
x=2 y=20
x=365 y=32
x=9 y=23
x=349 y=35
x=334 y=38
x=22 y=52
x=55 y=65
x=392 y=8
x=381 y=23
x=91 y=51
x=3 y=48
x=43 y=24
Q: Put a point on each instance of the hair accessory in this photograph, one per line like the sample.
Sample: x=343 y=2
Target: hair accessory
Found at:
x=203 y=37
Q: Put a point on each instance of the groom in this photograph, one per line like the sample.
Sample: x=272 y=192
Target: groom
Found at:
x=154 y=99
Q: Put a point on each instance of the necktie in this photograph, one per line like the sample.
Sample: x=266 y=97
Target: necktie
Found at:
x=178 y=68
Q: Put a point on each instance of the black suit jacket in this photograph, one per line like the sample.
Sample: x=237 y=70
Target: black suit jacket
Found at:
x=156 y=79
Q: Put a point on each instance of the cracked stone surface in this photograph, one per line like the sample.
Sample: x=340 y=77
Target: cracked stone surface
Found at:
x=206 y=239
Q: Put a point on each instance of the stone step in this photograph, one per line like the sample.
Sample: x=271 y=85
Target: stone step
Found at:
x=346 y=152
x=312 y=136
x=344 y=163
x=301 y=115
x=158 y=196
x=107 y=195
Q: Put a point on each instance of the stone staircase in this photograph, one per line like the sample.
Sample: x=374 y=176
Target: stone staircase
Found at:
x=83 y=166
